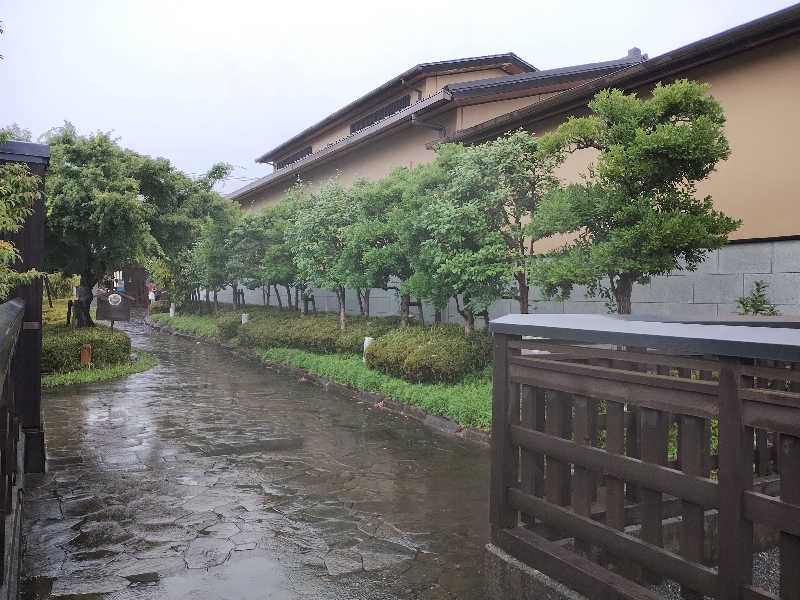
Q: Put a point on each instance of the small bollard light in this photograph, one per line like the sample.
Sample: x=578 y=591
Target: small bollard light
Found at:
x=245 y=318
x=171 y=310
x=367 y=341
x=86 y=354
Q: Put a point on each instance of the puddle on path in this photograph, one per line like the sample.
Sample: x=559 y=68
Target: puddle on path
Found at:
x=210 y=477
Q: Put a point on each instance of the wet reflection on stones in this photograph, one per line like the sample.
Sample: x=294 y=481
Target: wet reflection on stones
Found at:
x=211 y=477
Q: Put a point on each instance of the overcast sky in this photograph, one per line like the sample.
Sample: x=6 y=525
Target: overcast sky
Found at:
x=200 y=82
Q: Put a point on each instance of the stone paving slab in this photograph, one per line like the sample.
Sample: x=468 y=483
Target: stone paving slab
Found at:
x=210 y=477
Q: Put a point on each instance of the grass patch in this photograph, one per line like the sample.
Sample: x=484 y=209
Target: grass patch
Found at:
x=468 y=402
x=202 y=325
x=143 y=362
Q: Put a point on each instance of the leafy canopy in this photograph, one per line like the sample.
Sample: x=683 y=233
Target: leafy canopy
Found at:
x=636 y=213
x=18 y=191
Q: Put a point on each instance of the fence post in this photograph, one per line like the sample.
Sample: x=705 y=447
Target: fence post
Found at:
x=735 y=476
x=504 y=464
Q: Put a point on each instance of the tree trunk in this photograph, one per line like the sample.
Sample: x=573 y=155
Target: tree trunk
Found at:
x=84 y=302
x=208 y=299
x=437 y=315
x=278 y=296
x=297 y=297
x=288 y=296
x=304 y=306
x=360 y=302
x=469 y=322
x=405 y=299
x=340 y=296
x=365 y=308
x=622 y=295
x=421 y=312
x=524 y=290
x=216 y=301
x=264 y=295
x=235 y=292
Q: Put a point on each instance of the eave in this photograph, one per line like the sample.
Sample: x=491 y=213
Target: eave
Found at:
x=336 y=149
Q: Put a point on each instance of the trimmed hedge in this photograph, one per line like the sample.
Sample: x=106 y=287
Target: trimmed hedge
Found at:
x=318 y=332
x=61 y=347
x=433 y=354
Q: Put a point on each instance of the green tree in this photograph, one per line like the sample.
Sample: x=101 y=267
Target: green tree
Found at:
x=316 y=234
x=504 y=180
x=108 y=206
x=278 y=261
x=14 y=132
x=18 y=191
x=96 y=221
x=460 y=252
x=636 y=214
x=213 y=253
x=248 y=242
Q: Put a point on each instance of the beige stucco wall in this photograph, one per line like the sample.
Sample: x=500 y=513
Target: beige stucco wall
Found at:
x=478 y=113
x=760 y=182
x=373 y=160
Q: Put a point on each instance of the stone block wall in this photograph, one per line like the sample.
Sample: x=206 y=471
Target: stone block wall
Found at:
x=710 y=291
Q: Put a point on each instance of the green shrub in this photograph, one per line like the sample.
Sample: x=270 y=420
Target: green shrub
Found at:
x=159 y=306
x=228 y=324
x=61 y=347
x=317 y=332
x=438 y=353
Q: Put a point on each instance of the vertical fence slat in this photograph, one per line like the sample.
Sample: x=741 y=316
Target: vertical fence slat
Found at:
x=558 y=423
x=654 y=433
x=735 y=476
x=529 y=467
x=581 y=477
x=692 y=535
x=615 y=443
x=790 y=492
x=501 y=514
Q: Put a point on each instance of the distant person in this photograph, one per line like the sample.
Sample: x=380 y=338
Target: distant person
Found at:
x=151 y=296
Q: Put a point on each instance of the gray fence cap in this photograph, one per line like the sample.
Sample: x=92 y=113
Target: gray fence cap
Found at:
x=752 y=341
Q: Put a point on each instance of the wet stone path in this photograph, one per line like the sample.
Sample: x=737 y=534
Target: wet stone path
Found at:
x=212 y=477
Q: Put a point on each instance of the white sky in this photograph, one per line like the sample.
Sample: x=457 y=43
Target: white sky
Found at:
x=200 y=82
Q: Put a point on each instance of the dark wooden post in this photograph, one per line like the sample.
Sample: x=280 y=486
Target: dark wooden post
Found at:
x=735 y=476
x=30 y=242
x=789 y=452
x=504 y=463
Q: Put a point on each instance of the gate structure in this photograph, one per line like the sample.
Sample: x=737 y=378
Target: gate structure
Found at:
x=629 y=452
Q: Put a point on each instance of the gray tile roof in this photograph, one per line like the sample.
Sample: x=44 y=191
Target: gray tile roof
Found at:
x=538 y=78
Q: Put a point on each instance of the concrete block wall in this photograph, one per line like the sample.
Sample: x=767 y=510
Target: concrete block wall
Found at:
x=710 y=291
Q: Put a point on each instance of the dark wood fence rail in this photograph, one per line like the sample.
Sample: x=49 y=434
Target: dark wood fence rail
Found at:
x=11 y=318
x=648 y=458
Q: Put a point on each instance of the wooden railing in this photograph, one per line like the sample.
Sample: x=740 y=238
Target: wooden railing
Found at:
x=11 y=315
x=599 y=451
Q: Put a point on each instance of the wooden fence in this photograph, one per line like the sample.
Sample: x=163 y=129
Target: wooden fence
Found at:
x=598 y=449
x=11 y=436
